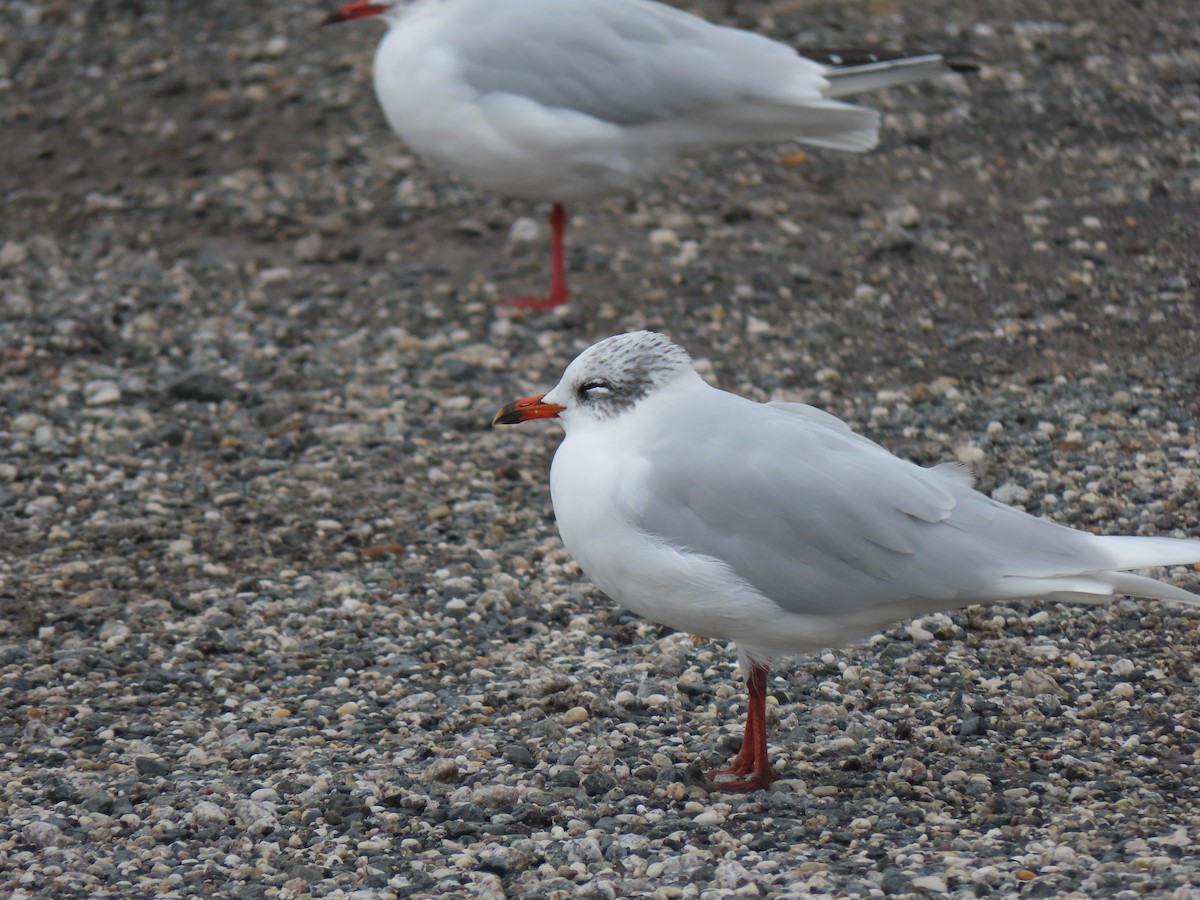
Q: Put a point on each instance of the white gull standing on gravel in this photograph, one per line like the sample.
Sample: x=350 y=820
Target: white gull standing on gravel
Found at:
x=777 y=527
x=569 y=100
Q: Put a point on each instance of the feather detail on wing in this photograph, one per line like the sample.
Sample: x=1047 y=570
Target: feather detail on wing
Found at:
x=642 y=65
x=627 y=63
x=824 y=521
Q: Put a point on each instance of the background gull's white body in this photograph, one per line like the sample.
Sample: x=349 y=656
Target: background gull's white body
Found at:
x=557 y=100
x=568 y=100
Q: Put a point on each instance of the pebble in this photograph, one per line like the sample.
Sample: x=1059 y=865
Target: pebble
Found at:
x=45 y=834
x=576 y=715
x=1012 y=494
x=524 y=231
x=12 y=253
x=152 y=766
x=309 y=248
x=208 y=813
x=101 y=393
x=933 y=883
x=969 y=455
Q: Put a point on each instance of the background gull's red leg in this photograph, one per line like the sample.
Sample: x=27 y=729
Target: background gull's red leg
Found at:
x=558 y=270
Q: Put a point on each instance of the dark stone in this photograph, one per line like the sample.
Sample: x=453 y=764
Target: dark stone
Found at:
x=668 y=776
x=202 y=438
x=894 y=882
x=494 y=863
x=548 y=728
x=597 y=784
x=566 y=778
x=972 y=726
x=458 y=828
x=519 y=756
x=468 y=812
x=459 y=371
x=101 y=802
x=535 y=815
x=207 y=387
x=152 y=767
x=171 y=435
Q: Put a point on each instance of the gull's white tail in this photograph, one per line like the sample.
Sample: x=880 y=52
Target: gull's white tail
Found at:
x=1142 y=552
x=1103 y=585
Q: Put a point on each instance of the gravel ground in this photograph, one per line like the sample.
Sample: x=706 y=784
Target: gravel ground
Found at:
x=281 y=617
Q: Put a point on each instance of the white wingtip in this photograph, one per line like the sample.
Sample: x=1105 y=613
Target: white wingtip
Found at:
x=1140 y=552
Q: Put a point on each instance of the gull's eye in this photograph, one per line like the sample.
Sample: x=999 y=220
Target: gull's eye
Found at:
x=590 y=390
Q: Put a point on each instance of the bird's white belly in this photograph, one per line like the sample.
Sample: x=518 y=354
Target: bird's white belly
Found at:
x=686 y=591
x=652 y=579
x=498 y=141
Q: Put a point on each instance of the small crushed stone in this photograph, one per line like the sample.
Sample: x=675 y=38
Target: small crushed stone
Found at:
x=281 y=617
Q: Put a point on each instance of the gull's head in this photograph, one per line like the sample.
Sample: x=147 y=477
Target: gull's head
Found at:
x=360 y=9
x=607 y=379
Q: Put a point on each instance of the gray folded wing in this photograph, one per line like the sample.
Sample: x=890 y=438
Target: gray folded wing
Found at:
x=627 y=62
x=824 y=521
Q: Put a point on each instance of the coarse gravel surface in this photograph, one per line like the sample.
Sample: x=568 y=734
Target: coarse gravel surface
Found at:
x=281 y=617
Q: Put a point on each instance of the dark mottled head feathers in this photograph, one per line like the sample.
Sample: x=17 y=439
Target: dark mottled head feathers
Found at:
x=614 y=374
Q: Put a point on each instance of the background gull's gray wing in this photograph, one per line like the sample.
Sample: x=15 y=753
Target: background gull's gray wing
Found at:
x=632 y=63
x=824 y=521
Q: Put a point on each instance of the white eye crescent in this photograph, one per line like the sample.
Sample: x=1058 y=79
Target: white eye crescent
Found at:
x=594 y=389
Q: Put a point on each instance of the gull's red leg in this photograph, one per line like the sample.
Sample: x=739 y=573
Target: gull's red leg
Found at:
x=558 y=266
x=744 y=761
x=752 y=758
x=558 y=270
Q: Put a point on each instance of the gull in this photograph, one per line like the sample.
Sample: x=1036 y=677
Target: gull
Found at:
x=777 y=527
x=567 y=100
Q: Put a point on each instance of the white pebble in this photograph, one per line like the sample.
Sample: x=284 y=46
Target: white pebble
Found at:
x=934 y=883
x=12 y=254
x=208 y=813
x=969 y=455
x=524 y=231
x=45 y=834
x=919 y=634
x=101 y=393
